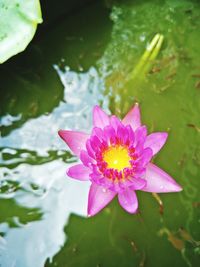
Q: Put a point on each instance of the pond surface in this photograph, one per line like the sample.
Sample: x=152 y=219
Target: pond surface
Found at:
x=85 y=59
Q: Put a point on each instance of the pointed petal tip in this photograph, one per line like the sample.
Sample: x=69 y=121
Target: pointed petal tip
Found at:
x=68 y=172
x=136 y=211
x=92 y=214
x=136 y=107
x=165 y=136
x=178 y=188
x=133 y=117
x=128 y=201
x=74 y=139
x=96 y=107
x=136 y=104
x=100 y=118
x=175 y=188
x=158 y=181
x=131 y=211
x=60 y=133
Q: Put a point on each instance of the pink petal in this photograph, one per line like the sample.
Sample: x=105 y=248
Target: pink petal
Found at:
x=137 y=183
x=156 y=141
x=115 y=122
x=128 y=200
x=109 y=132
x=140 y=135
x=95 y=143
x=131 y=134
x=159 y=181
x=98 y=132
x=145 y=157
x=75 y=140
x=133 y=117
x=85 y=158
x=98 y=198
x=100 y=118
x=122 y=134
x=89 y=149
x=79 y=172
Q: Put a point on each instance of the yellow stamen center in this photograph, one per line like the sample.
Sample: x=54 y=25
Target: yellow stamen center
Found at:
x=117 y=157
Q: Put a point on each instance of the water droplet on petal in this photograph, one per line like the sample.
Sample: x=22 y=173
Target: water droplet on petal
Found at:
x=104 y=190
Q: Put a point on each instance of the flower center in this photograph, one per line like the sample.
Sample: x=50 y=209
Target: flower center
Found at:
x=117 y=157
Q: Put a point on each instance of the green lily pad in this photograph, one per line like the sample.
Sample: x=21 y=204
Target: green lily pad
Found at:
x=18 y=23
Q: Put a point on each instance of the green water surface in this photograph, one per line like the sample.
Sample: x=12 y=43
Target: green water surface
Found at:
x=84 y=59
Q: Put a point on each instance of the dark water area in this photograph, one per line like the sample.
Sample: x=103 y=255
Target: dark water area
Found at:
x=90 y=57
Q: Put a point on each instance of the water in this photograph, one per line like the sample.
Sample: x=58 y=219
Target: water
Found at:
x=85 y=60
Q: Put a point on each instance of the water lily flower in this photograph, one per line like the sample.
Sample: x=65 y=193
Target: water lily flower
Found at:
x=116 y=158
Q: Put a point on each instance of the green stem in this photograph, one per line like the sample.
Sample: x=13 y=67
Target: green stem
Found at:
x=148 y=57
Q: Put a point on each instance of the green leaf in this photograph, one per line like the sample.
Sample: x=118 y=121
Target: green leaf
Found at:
x=18 y=23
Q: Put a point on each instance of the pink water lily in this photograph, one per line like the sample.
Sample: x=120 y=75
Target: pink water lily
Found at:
x=116 y=158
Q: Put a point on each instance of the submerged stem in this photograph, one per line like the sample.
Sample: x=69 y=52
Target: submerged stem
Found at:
x=148 y=57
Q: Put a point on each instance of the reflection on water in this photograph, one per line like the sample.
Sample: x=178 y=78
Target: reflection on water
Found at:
x=45 y=186
x=56 y=201
x=82 y=91
x=33 y=159
x=8 y=119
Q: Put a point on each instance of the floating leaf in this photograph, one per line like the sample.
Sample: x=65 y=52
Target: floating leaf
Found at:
x=18 y=20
